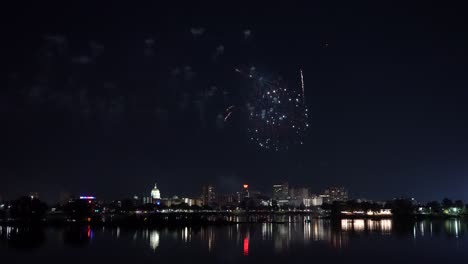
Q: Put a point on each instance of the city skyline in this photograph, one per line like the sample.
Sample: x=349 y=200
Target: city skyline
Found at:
x=106 y=99
x=208 y=194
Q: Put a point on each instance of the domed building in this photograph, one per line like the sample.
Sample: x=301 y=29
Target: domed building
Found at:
x=155 y=193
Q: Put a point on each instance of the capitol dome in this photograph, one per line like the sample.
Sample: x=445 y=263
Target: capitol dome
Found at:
x=155 y=194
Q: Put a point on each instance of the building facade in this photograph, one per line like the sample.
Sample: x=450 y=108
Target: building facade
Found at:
x=299 y=193
x=208 y=194
x=281 y=191
x=155 y=193
x=335 y=194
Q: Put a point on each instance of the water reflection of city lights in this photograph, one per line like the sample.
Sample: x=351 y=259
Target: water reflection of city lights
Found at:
x=359 y=225
x=282 y=237
x=186 y=234
x=307 y=231
x=246 y=246
x=154 y=239
x=338 y=240
x=452 y=227
x=384 y=226
x=211 y=239
x=267 y=230
x=346 y=224
x=89 y=233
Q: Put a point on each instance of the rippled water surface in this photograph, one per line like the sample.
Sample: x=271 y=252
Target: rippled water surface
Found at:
x=342 y=241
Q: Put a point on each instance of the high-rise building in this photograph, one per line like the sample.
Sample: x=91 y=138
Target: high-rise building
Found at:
x=281 y=191
x=208 y=194
x=299 y=193
x=155 y=193
x=335 y=194
x=245 y=192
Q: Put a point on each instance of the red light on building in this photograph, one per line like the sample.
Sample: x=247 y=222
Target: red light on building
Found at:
x=246 y=186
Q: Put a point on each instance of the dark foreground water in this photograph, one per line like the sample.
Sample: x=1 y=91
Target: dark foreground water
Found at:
x=320 y=241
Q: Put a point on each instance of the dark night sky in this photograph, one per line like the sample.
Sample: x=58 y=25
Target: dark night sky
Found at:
x=108 y=99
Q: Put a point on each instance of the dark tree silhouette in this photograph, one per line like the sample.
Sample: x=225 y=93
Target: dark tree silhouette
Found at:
x=459 y=204
x=435 y=207
x=402 y=208
x=26 y=209
x=447 y=203
x=79 y=210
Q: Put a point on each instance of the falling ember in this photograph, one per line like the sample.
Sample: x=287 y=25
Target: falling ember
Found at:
x=302 y=86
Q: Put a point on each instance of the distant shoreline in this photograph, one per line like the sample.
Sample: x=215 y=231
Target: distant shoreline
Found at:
x=206 y=219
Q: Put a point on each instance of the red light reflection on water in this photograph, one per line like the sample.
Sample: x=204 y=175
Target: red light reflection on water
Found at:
x=89 y=233
x=246 y=246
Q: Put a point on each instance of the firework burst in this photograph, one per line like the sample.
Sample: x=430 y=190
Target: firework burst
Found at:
x=277 y=114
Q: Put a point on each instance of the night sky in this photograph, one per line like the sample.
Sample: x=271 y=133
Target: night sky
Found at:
x=107 y=99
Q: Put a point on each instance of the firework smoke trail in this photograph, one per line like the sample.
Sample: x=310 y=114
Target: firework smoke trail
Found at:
x=302 y=84
x=227 y=116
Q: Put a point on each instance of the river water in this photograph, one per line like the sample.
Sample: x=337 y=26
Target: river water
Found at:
x=320 y=241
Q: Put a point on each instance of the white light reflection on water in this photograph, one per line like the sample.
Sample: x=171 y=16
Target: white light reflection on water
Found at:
x=154 y=239
x=452 y=227
x=211 y=239
x=358 y=225
x=386 y=226
x=8 y=231
x=319 y=231
x=253 y=239
x=267 y=231
x=208 y=234
x=186 y=234
x=281 y=237
x=307 y=232
x=383 y=226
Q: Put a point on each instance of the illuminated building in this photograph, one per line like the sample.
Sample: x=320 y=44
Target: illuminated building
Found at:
x=87 y=197
x=299 y=193
x=208 y=194
x=190 y=201
x=245 y=192
x=316 y=201
x=175 y=200
x=227 y=199
x=146 y=200
x=281 y=191
x=155 y=193
x=34 y=195
x=335 y=194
